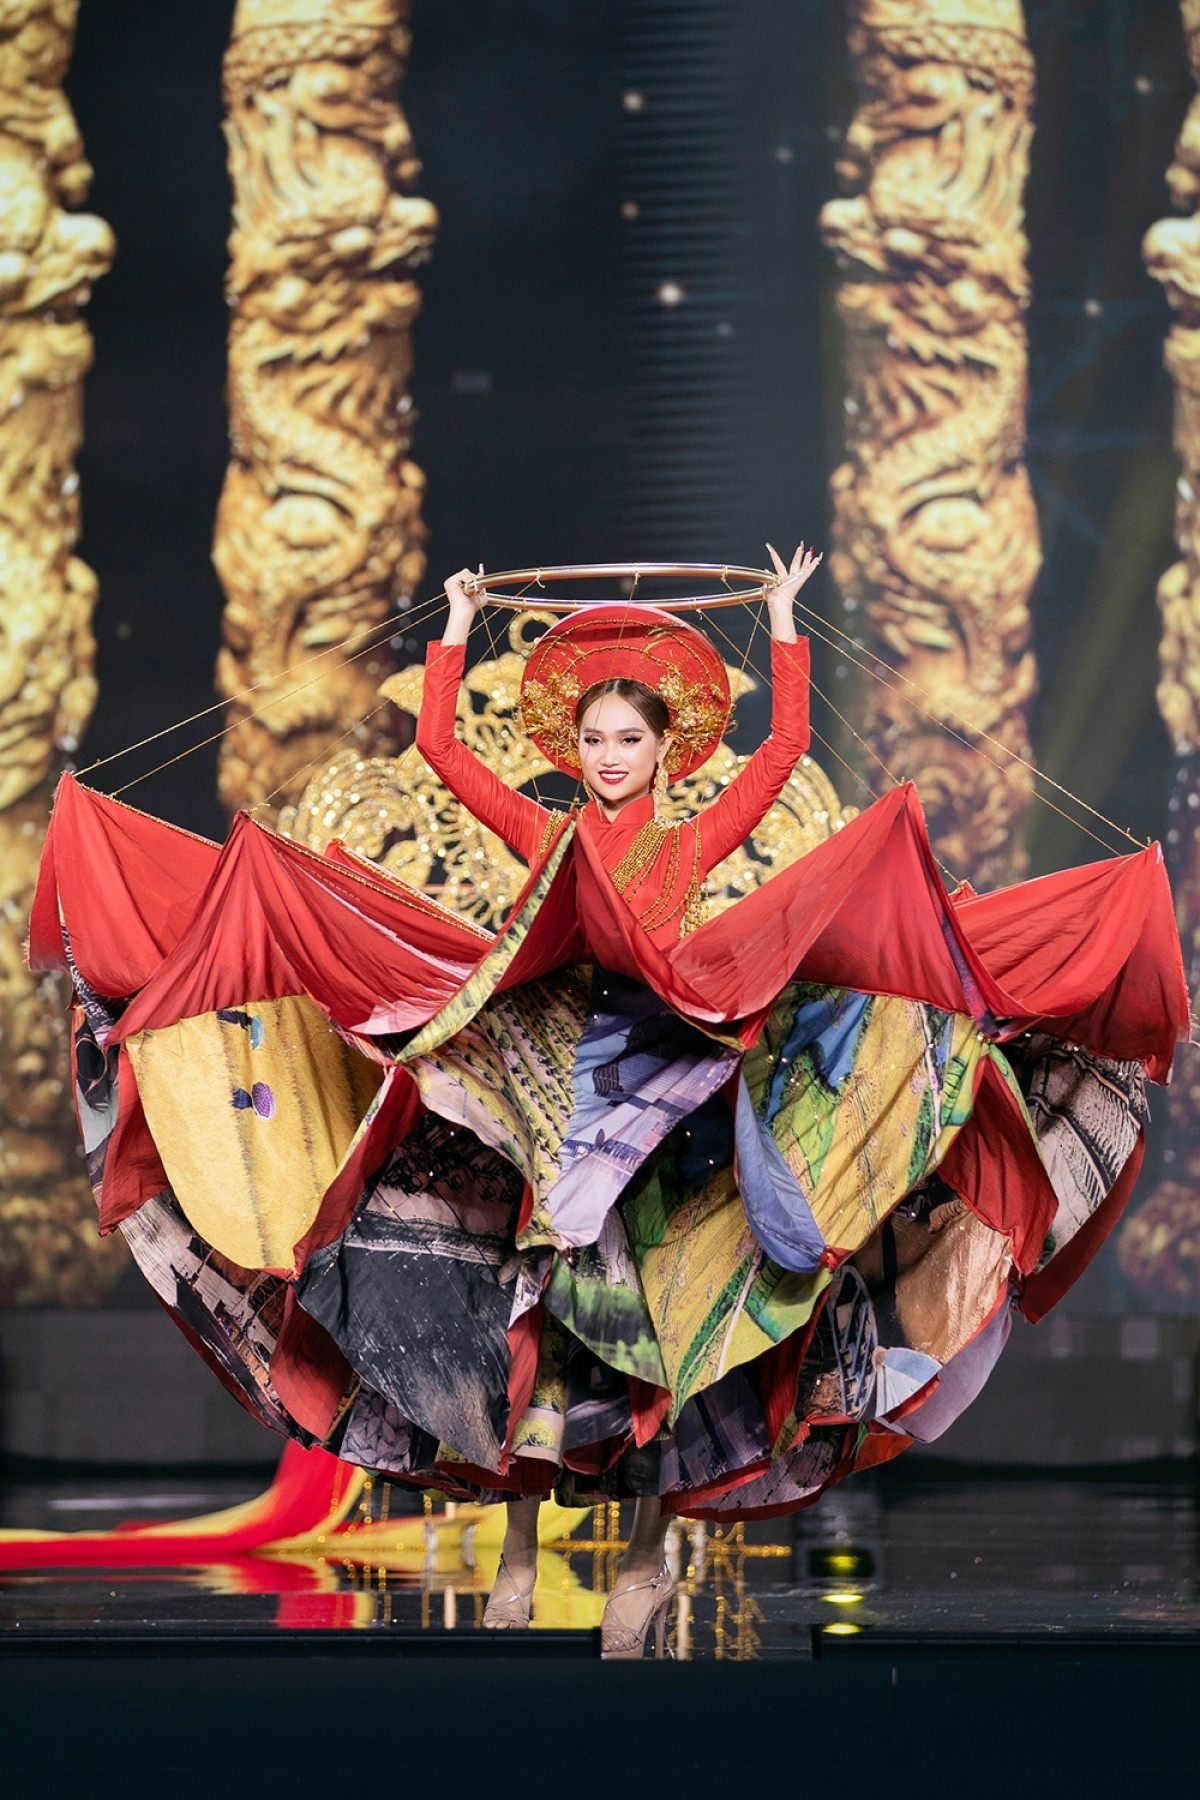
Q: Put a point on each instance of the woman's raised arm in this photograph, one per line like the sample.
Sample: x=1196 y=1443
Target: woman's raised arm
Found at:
x=521 y=822
x=751 y=795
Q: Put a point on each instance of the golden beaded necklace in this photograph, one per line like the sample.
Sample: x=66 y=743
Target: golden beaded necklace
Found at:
x=640 y=858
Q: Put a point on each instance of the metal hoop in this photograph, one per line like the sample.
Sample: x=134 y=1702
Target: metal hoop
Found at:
x=762 y=579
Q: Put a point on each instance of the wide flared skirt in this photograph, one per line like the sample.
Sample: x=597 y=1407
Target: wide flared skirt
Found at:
x=475 y=1215
x=608 y=1254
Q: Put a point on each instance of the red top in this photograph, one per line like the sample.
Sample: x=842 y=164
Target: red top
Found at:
x=658 y=891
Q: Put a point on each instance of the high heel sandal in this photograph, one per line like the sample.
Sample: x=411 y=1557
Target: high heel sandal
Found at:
x=509 y=1611
x=620 y=1642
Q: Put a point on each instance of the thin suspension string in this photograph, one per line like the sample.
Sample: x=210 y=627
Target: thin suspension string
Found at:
x=857 y=774
x=1045 y=801
x=746 y=662
x=1042 y=799
x=483 y=617
x=319 y=757
x=428 y=609
x=939 y=721
x=870 y=750
x=415 y=616
x=216 y=736
x=896 y=780
x=756 y=625
x=893 y=778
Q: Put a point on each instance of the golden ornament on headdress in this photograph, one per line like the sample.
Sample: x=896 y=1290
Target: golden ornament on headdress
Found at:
x=627 y=642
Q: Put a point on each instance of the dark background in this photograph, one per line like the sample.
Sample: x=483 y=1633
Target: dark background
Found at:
x=564 y=412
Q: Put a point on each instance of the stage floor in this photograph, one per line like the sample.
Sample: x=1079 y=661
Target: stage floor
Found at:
x=907 y=1561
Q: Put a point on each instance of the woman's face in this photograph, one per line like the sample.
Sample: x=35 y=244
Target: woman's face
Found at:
x=618 y=751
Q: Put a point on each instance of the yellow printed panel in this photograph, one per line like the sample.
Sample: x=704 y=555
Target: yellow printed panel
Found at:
x=856 y=1152
x=703 y=1278
x=252 y=1110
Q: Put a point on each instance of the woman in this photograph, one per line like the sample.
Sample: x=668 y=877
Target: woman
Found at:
x=624 y=742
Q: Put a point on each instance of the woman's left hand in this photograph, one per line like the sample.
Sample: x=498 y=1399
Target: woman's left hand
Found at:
x=787 y=585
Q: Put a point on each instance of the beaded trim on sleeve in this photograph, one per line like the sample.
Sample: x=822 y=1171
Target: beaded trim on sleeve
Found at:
x=553 y=821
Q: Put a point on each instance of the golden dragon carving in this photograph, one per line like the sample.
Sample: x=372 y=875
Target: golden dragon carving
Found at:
x=935 y=540
x=319 y=536
x=1159 y=1246
x=49 y=257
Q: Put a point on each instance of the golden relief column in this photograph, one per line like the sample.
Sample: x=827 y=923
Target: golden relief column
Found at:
x=935 y=540
x=1160 y=1244
x=319 y=533
x=49 y=257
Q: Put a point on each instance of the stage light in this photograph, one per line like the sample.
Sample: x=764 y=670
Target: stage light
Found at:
x=632 y=100
x=630 y=209
x=847 y=1599
x=841 y=1628
x=846 y=1563
x=671 y=294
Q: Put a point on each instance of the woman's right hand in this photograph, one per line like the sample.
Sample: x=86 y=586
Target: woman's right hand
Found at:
x=464 y=604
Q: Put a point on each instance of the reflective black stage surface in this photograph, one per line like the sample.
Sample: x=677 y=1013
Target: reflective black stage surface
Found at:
x=920 y=1633
x=908 y=1560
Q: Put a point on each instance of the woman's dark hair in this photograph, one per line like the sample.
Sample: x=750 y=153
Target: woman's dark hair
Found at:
x=644 y=700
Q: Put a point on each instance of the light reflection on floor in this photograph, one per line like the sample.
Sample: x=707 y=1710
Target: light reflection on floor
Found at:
x=904 y=1549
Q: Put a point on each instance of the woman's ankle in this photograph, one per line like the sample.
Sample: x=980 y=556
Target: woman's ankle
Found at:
x=520 y=1559
x=520 y=1550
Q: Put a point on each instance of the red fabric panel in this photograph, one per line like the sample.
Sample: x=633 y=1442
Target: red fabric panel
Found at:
x=995 y=1166
x=133 y=1169
x=126 y=885
x=308 y=1371
x=1047 y=1287
x=524 y=1343
x=650 y=1405
x=278 y=920
x=1092 y=953
x=864 y=909
x=879 y=1446
x=1096 y=913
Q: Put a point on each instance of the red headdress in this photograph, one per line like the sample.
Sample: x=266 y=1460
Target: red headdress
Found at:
x=637 y=643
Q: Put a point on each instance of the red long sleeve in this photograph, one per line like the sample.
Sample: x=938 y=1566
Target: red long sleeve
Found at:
x=521 y=822
x=750 y=796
